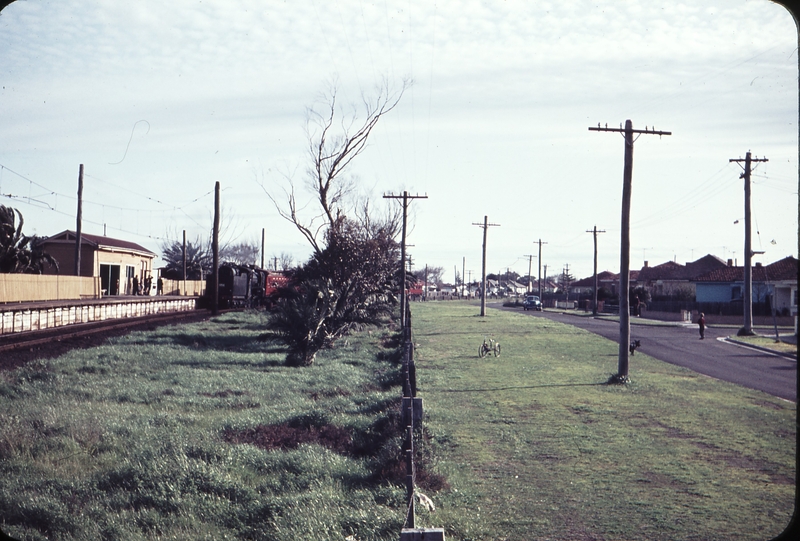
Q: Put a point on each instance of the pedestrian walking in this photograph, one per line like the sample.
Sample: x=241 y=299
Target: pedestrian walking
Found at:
x=701 y=321
x=136 y=285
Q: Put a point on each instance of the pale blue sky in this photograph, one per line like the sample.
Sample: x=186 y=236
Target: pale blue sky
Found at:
x=159 y=100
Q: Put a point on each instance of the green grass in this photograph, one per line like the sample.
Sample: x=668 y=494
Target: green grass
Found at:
x=146 y=438
x=767 y=342
x=128 y=440
x=536 y=446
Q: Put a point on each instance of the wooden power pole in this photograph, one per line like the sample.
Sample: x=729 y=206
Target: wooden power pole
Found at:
x=403 y=297
x=747 y=303
x=215 y=249
x=530 y=266
x=539 y=242
x=79 y=220
x=485 y=225
x=594 y=302
x=184 y=263
x=625 y=244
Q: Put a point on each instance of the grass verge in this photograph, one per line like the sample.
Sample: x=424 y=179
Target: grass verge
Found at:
x=535 y=445
x=767 y=342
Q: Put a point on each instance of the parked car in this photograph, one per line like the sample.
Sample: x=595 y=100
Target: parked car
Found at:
x=532 y=302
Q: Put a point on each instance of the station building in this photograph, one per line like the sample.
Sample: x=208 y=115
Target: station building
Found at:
x=116 y=262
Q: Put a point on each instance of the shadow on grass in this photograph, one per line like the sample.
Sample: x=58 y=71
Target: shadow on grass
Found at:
x=518 y=387
x=379 y=444
x=222 y=365
x=201 y=341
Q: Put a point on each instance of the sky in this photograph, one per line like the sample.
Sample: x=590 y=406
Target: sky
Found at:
x=161 y=100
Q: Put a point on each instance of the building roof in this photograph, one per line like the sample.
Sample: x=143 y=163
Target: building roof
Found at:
x=604 y=276
x=100 y=242
x=677 y=272
x=784 y=270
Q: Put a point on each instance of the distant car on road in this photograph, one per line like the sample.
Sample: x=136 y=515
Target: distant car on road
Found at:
x=532 y=302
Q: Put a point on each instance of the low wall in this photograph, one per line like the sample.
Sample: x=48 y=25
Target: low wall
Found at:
x=22 y=318
x=191 y=288
x=48 y=287
x=715 y=319
x=684 y=316
x=45 y=287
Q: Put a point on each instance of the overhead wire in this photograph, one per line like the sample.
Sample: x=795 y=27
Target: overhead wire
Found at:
x=48 y=191
x=430 y=94
x=706 y=75
x=706 y=190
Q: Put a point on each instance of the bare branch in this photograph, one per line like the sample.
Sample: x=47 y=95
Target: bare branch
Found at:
x=330 y=155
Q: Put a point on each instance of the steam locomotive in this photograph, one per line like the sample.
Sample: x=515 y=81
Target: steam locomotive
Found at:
x=246 y=286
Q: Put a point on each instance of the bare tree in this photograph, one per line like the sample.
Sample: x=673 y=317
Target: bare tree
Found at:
x=332 y=147
x=352 y=275
x=283 y=261
x=241 y=253
x=435 y=274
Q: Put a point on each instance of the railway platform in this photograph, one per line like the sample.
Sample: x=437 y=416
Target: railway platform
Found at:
x=21 y=317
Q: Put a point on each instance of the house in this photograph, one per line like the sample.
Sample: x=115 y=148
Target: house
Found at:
x=115 y=261
x=673 y=279
x=448 y=288
x=515 y=288
x=605 y=279
x=776 y=283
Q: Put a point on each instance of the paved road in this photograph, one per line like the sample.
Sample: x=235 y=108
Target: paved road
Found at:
x=773 y=374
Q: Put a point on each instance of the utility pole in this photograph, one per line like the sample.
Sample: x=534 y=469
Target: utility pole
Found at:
x=463 y=270
x=747 y=329
x=540 y=268
x=530 y=265
x=262 y=247
x=485 y=225
x=540 y=284
x=409 y=370
x=215 y=249
x=78 y=225
x=184 y=263
x=625 y=244
x=403 y=298
x=594 y=304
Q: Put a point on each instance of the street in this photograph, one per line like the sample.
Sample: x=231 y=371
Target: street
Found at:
x=773 y=374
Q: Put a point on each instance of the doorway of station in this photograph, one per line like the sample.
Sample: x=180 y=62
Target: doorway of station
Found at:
x=109 y=279
x=129 y=274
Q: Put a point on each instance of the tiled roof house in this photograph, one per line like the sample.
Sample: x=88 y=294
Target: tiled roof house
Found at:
x=777 y=280
x=671 y=277
x=605 y=279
